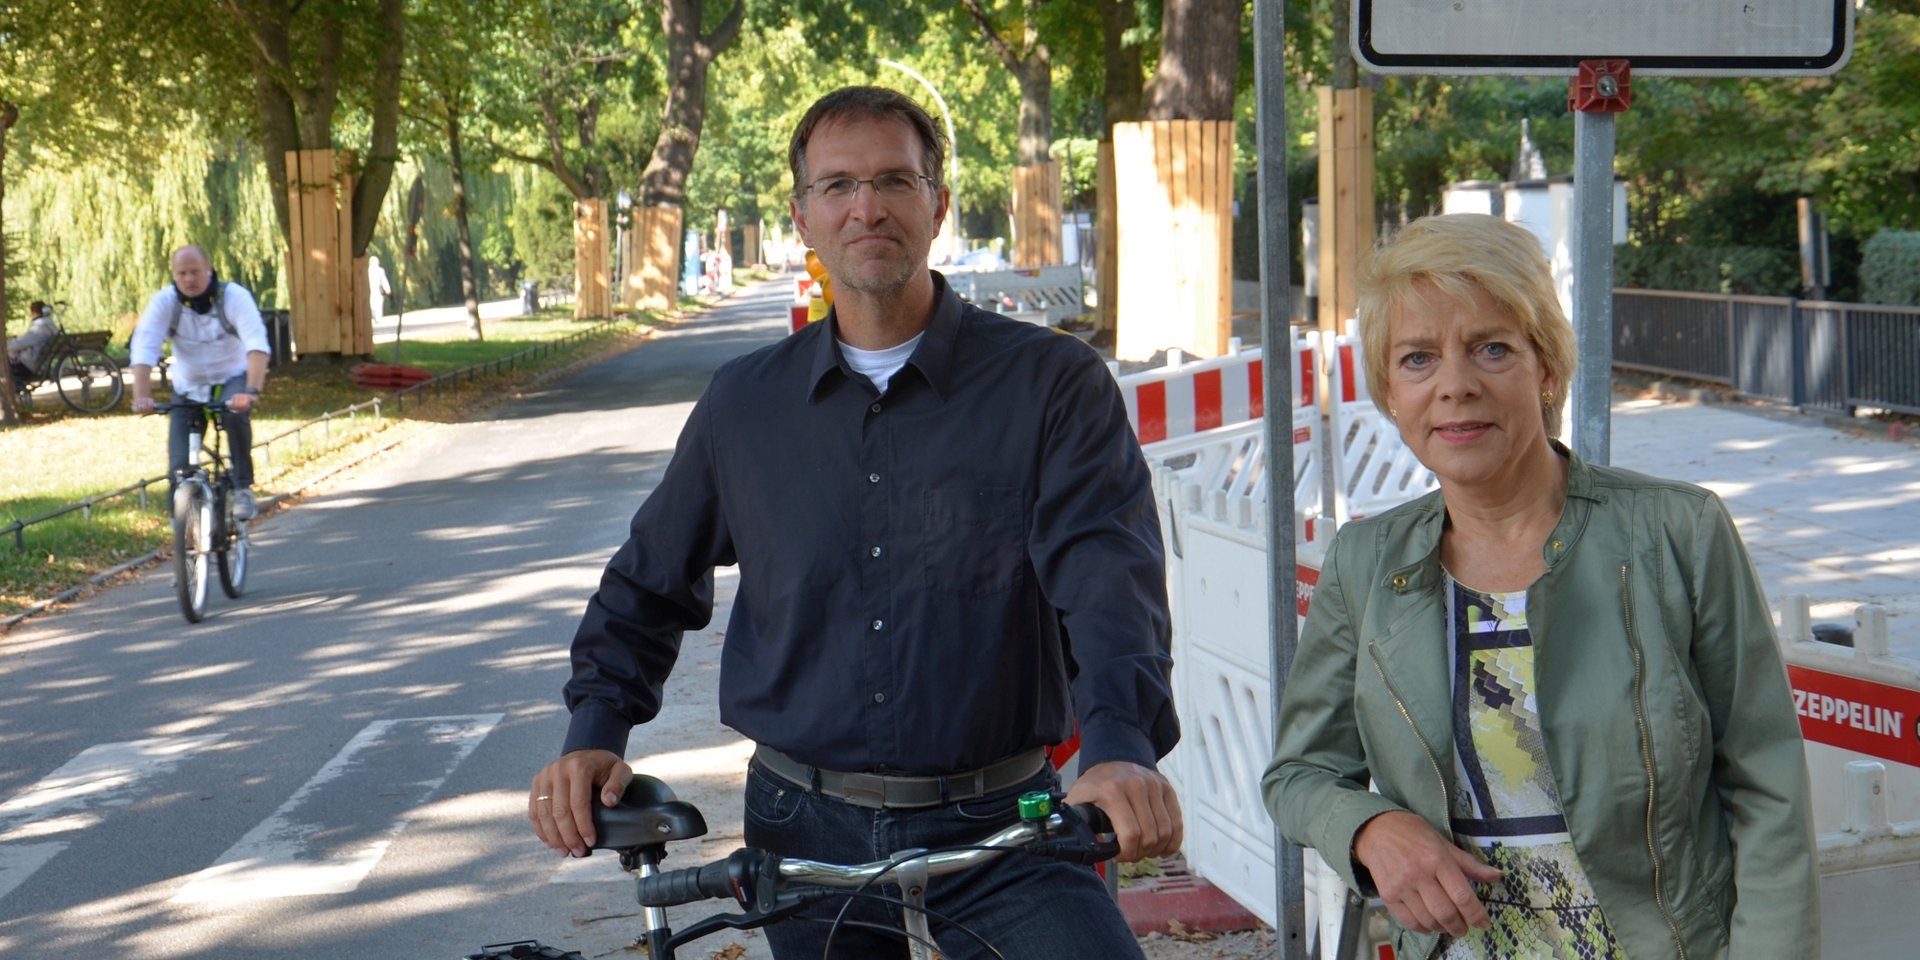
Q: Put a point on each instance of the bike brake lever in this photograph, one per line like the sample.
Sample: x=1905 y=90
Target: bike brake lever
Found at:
x=784 y=906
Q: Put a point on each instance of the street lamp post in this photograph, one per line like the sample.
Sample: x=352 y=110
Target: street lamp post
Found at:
x=953 y=153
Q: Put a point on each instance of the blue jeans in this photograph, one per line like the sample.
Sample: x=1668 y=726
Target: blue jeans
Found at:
x=1028 y=907
x=190 y=417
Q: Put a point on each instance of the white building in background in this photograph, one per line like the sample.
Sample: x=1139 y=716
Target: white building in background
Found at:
x=1545 y=207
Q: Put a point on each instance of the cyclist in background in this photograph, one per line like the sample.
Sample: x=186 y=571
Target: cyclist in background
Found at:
x=219 y=354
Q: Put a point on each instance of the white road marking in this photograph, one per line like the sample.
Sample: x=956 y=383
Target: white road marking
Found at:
x=327 y=837
x=68 y=799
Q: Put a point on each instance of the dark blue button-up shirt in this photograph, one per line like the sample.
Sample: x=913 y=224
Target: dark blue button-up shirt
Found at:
x=911 y=565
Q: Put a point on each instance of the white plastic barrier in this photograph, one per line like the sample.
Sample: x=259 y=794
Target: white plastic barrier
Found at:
x=1855 y=705
x=1373 y=469
x=1186 y=397
x=1047 y=295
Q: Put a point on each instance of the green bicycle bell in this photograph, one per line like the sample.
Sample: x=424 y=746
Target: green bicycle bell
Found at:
x=1036 y=805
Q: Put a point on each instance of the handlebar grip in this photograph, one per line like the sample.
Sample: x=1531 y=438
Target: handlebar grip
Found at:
x=1095 y=818
x=675 y=887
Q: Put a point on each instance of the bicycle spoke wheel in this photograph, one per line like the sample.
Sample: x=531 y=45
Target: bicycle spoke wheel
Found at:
x=233 y=560
x=89 y=381
x=192 y=536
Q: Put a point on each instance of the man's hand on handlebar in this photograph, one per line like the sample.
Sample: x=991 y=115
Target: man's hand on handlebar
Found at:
x=560 y=803
x=1140 y=802
x=240 y=402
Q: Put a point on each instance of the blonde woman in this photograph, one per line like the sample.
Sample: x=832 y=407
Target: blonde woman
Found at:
x=1560 y=678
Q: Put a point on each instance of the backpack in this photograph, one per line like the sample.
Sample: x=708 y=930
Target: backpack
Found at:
x=219 y=314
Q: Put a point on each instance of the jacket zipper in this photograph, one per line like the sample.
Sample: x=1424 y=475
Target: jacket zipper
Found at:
x=1373 y=652
x=1646 y=756
x=1446 y=799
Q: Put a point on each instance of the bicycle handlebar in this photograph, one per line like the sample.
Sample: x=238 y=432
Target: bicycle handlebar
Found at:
x=712 y=881
x=217 y=406
x=1080 y=833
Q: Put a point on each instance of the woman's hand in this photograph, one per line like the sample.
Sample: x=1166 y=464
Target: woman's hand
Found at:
x=1425 y=881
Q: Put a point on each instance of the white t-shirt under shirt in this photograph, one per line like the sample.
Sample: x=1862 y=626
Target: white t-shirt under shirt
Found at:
x=879 y=365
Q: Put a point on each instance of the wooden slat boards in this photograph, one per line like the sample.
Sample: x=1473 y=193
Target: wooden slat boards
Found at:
x=653 y=258
x=1174 y=182
x=1107 y=268
x=326 y=286
x=1036 y=215
x=1346 y=200
x=592 y=265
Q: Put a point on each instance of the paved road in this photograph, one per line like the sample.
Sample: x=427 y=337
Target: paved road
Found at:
x=336 y=764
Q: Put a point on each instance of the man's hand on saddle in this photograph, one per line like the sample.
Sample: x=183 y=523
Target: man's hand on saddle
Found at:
x=1140 y=803
x=560 y=802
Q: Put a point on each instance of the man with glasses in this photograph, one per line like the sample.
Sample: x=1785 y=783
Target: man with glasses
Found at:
x=925 y=500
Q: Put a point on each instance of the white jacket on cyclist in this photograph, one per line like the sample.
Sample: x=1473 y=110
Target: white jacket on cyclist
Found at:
x=204 y=354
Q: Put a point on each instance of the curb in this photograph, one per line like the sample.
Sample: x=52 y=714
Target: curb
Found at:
x=1157 y=904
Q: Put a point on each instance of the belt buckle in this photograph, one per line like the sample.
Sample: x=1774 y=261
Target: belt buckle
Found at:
x=864 y=790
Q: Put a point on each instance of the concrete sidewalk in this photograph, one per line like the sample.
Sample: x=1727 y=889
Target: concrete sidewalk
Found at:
x=1829 y=512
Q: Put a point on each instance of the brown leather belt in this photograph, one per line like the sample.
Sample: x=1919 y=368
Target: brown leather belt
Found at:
x=889 y=792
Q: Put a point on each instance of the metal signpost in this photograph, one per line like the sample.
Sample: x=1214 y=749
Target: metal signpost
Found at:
x=1600 y=48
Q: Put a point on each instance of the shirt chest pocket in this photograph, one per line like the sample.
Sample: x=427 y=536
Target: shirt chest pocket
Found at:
x=973 y=541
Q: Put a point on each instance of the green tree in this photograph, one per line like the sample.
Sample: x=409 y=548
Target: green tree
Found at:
x=304 y=57
x=442 y=90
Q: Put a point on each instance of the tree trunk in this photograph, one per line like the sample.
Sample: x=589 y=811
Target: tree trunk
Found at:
x=1035 y=74
x=689 y=54
x=1123 y=86
x=1346 y=70
x=383 y=145
x=1032 y=66
x=8 y=415
x=1199 y=59
x=469 y=287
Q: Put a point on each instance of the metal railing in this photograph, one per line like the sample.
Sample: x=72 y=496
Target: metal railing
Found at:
x=1819 y=354
x=326 y=423
x=453 y=379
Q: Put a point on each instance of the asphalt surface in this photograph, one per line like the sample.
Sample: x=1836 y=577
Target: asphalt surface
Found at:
x=336 y=764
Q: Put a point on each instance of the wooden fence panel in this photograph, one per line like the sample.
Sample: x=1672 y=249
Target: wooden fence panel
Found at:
x=1036 y=215
x=658 y=229
x=313 y=208
x=1107 y=231
x=750 y=245
x=1173 y=180
x=592 y=273
x=1346 y=199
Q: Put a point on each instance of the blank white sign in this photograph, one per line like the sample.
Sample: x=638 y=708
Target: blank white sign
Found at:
x=1550 y=37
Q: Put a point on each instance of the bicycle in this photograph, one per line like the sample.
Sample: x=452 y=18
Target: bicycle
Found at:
x=87 y=379
x=205 y=531
x=771 y=888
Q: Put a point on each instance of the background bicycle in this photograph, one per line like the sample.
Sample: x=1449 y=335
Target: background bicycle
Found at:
x=77 y=365
x=206 y=534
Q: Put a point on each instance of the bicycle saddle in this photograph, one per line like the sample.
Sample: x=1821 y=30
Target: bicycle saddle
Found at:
x=648 y=814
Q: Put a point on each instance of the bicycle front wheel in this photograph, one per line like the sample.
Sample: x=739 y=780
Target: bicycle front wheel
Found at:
x=192 y=543
x=89 y=381
x=233 y=559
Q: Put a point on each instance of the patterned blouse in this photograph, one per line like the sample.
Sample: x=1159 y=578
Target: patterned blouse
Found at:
x=1507 y=808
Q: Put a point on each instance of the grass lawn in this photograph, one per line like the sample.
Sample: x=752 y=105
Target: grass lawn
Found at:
x=59 y=457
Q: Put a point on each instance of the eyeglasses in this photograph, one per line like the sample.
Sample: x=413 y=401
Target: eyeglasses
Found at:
x=893 y=185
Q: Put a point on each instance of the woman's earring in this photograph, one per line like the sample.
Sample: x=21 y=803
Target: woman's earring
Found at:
x=1546 y=398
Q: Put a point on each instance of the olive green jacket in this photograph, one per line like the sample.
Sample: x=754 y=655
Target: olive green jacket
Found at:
x=1663 y=702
